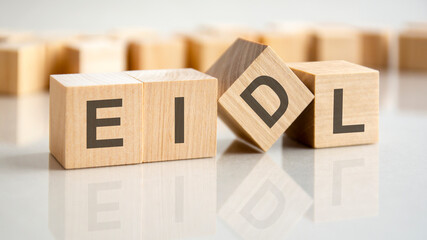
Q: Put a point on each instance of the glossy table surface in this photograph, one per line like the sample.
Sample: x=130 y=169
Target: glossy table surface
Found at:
x=291 y=192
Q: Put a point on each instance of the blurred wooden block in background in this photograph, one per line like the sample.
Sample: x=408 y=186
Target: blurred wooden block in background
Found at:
x=15 y=36
x=345 y=109
x=96 y=55
x=292 y=45
x=259 y=96
x=413 y=49
x=157 y=53
x=132 y=33
x=179 y=114
x=337 y=43
x=204 y=50
x=95 y=119
x=22 y=68
x=375 y=48
x=230 y=30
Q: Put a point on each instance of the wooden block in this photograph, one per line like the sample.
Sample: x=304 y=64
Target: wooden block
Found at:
x=22 y=68
x=95 y=119
x=204 y=50
x=256 y=198
x=375 y=48
x=132 y=33
x=15 y=36
x=98 y=55
x=293 y=45
x=179 y=114
x=259 y=96
x=337 y=43
x=157 y=53
x=413 y=50
x=345 y=108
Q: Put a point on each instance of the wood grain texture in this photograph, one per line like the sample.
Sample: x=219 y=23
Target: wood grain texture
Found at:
x=413 y=49
x=157 y=53
x=199 y=92
x=360 y=103
x=337 y=43
x=375 y=48
x=96 y=55
x=22 y=68
x=257 y=60
x=69 y=96
x=204 y=50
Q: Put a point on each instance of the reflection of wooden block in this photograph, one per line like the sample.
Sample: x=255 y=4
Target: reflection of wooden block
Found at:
x=99 y=55
x=22 y=68
x=97 y=203
x=345 y=108
x=291 y=46
x=374 y=47
x=95 y=119
x=337 y=43
x=179 y=196
x=179 y=114
x=157 y=54
x=413 y=50
x=256 y=198
x=259 y=95
x=204 y=50
x=340 y=174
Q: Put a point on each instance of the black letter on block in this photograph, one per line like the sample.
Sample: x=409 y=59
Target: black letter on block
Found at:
x=179 y=120
x=270 y=120
x=338 y=109
x=93 y=123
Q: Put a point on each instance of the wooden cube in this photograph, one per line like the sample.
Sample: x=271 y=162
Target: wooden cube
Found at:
x=337 y=43
x=96 y=55
x=256 y=198
x=293 y=45
x=132 y=33
x=204 y=50
x=179 y=114
x=22 y=68
x=95 y=119
x=375 y=48
x=259 y=96
x=230 y=30
x=413 y=50
x=345 y=108
x=15 y=36
x=157 y=53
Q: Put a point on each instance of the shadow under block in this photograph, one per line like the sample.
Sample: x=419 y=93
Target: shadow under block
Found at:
x=259 y=96
x=291 y=46
x=179 y=114
x=413 y=50
x=337 y=44
x=345 y=109
x=157 y=54
x=203 y=50
x=374 y=48
x=95 y=119
x=22 y=68
x=97 y=55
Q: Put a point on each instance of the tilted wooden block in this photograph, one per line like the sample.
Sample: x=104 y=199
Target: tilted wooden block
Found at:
x=375 y=48
x=157 y=53
x=345 y=108
x=293 y=45
x=204 y=50
x=22 y=68
x=337 y=43
x=413 y=49
x=97 y=55
x=95 y=119
x=259 y=96
x=179 y=114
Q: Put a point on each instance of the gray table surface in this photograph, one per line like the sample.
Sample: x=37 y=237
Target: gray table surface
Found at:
x=291 y=192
